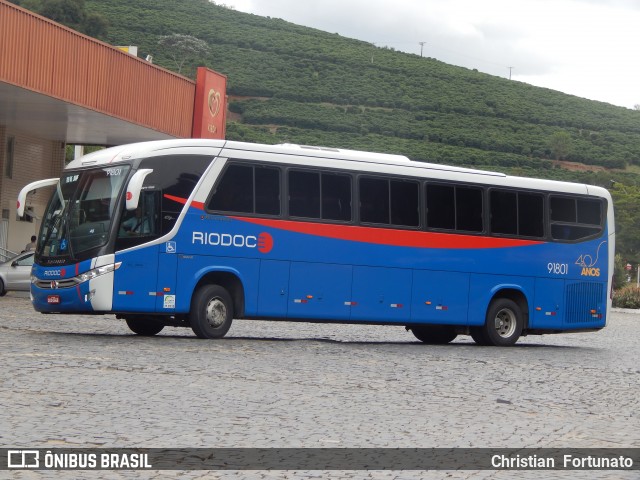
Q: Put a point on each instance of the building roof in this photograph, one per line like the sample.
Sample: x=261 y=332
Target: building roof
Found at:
x=59 y=84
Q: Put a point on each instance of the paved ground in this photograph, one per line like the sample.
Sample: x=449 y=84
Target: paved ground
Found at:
x=82 y=381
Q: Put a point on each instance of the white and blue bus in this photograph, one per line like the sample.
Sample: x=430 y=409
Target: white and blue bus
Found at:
x=198 y=232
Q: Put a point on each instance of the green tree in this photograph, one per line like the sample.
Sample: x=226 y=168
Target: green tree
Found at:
x=561 y=145
x=96 y=26
x=619 y=272
x=181 y=48
x=626 y=200
x=70 y=13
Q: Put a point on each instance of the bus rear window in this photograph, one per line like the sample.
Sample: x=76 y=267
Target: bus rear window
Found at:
x=574 y=218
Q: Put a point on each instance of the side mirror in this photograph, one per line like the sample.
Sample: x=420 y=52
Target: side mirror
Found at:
x=22 y=196
x=135 y=186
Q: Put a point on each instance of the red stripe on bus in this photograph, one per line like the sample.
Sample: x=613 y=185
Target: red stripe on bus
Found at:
x=183 y=201
x=383 y=236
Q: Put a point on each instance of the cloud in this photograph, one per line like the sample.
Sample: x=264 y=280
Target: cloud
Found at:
x=583 y=47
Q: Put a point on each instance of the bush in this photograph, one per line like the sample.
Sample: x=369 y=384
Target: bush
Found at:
x=627 y=297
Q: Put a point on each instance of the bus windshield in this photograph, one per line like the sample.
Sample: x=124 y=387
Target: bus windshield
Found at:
x=81 y=211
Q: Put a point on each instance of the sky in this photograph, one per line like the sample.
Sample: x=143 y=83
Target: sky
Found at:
x=587 y=48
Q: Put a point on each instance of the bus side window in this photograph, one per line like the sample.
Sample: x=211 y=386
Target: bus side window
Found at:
x=441 y=206
x=469 y=209
x=247 y=189
x=405 y=203
x=267 y=194
x=530 y=214
x=504 y=212
x=374 y=200
x=517 y=213
x=234 y=192
x=304 y=194
x=574 y=218
x=336 y=197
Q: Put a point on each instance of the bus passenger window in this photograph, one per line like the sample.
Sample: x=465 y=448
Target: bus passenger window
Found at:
x=563 y=209
x=574 y=218
x=267 y=193
x=234 y=192
x=405 y=204
x=517 y=213
x=504 y=212
x=336 y=197
x=374 y=200
x=469 y=209
x=441 y=207
x=589 y=211
x=304 y=194
x=530 y=215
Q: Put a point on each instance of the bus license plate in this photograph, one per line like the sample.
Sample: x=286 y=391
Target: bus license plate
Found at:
x=53 y=299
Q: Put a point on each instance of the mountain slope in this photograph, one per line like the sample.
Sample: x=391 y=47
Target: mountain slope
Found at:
x=318 y=84
x=289 y=83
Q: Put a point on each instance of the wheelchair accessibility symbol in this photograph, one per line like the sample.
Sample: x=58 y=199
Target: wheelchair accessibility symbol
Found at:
x=171 y=247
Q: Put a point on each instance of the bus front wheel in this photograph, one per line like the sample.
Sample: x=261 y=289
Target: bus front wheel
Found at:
x=503 y=324
x=211 y=312
x=145 y=328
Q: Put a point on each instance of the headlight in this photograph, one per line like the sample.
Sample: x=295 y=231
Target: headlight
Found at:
x=96 y=272
x=73 y=281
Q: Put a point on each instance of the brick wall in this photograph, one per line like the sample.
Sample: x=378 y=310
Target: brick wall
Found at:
x=34 y=159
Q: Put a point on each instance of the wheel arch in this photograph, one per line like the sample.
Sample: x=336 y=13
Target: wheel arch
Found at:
x=230 y=281
x=516 y=295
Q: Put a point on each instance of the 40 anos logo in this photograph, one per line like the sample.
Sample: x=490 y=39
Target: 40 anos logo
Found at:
x=587 y=263
x=263 y=242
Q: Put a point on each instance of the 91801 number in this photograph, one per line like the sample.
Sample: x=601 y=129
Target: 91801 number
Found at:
x=558 y=268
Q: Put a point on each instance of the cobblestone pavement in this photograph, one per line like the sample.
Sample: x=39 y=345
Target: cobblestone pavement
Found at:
x=87 y=381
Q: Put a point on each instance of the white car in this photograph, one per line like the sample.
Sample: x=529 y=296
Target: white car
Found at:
x=15 y=274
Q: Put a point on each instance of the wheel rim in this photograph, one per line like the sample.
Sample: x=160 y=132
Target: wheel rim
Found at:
x=505 y=323
x=216 y=312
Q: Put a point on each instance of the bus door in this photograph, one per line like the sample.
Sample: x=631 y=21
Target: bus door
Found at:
x=440 y=297
x=136 y=281
x=320 y=290
x=381 y=294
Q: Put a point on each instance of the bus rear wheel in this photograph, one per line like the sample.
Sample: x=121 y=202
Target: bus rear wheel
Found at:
x=504 y=323
x=434 y=334
x=143 y=327
x=211 y=312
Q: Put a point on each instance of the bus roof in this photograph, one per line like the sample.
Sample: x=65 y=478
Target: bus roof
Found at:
x=143 y=149
x=226 y=148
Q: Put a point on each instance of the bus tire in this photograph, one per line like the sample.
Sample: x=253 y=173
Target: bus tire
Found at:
x=211 y=312
x=504 y=323
x=434 y=334
x=477 y=333
x=145 y=328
